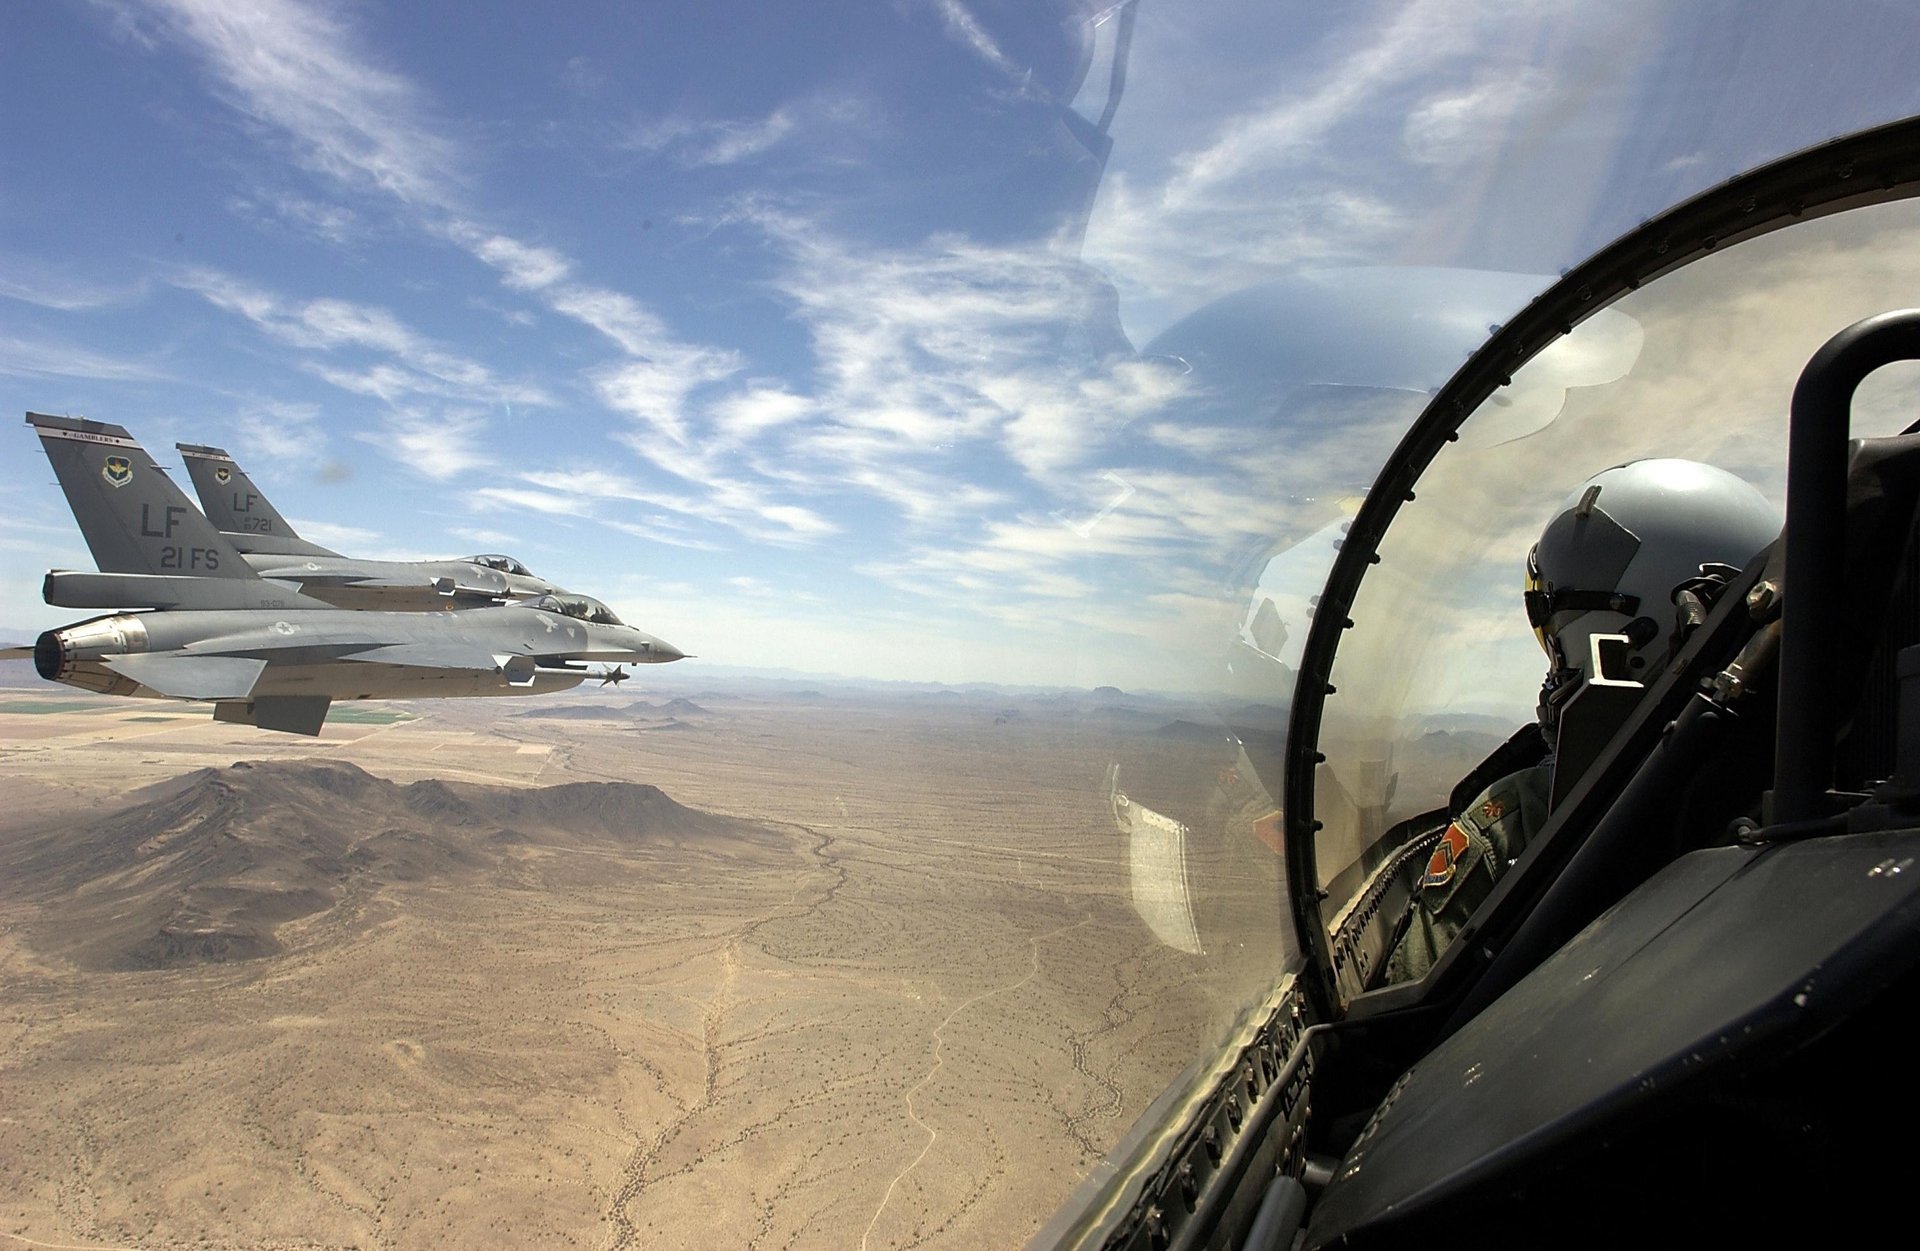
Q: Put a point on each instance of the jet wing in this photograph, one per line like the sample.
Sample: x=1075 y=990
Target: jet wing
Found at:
x=190 y=677
x=448 y=587
x=518 y=670
x=294 y=573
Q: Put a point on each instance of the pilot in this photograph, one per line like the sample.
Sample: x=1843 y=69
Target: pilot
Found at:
x=1638 y=550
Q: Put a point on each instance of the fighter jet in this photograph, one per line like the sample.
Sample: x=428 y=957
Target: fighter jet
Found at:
x=134 y=519
x=281 y=669
x=264 y=651
x=242 y=512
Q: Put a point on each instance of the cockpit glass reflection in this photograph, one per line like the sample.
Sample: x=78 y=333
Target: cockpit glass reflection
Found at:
x=505 y=564
x=579 y=607
x=1442 y=663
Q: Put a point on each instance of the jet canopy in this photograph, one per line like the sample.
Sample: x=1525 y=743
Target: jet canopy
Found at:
x=580 y=607
x=505 y=564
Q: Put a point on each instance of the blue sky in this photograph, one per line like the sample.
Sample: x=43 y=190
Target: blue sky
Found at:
x=814 y=336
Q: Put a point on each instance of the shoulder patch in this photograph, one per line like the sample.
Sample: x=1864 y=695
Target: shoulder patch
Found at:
x=1493 y=809
x=1446 y=857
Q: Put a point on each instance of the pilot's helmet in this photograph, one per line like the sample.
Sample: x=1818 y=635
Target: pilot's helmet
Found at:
x=1615 y=554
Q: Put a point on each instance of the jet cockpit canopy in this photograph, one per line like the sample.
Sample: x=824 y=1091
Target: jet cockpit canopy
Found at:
x=505 y=564
x=580 y=607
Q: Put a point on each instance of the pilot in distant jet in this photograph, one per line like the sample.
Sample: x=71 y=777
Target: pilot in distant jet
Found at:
x=1612 y=562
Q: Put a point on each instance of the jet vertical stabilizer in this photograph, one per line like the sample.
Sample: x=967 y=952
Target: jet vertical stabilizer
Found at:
x=134 y=518
x=238 y=508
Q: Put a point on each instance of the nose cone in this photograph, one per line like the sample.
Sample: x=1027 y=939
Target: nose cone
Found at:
x=661 y=652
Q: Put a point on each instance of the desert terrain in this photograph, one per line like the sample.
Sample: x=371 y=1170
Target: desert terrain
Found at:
x=711 y=965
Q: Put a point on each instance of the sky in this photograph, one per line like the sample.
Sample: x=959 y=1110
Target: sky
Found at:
x=839 y=337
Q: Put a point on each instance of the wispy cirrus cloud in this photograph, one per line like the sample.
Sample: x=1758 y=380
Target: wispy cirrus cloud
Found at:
x=298 y=72
x=412 y=364
x=45 y=286
x=23 y=357
x=281 y=431
x=658 y=371
x=1286 y=170
x=736 y=503
x=955 y=347
x=720 y=142
x=694 y=142
x=965 y=28
x=304 y=75
x=440 y=443
x=284 y=211
x=979 y=391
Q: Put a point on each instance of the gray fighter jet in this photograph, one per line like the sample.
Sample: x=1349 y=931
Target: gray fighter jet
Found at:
x=136 y=520
x=281 y=669
x=241 y=511
x=265 y=651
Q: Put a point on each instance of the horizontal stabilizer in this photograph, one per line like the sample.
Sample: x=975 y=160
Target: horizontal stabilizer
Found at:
x=291 y=714
x=17 y=653
x=78 y=588
x=255 y=544
x=180 y=676
x=344 y=577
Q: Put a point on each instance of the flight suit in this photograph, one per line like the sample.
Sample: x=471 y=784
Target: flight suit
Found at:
x=1470 y=857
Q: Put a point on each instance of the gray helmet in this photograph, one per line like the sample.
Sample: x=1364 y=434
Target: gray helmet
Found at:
x=1615 y=554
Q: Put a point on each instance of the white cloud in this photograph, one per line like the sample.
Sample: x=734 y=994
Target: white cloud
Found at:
x=440 y=445
x=525 y=266
x=416 y=366
x=693 y=142
x=1457 y=125
x=739 y=141
x=654 y=391
x=746 y=414
x=282 y=210
x=36 y=358
x=1222 y=176
x=953 y=344
x=744 y=506
x=552 y=503
x=303 y=74
x=297 y=69
x=280 y=431
x=964 y=27
x=34 y=283
x=659 y=531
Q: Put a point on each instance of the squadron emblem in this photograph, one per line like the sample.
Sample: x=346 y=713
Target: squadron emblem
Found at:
x=221 y=473
x=118 y=471
x=1446 y=856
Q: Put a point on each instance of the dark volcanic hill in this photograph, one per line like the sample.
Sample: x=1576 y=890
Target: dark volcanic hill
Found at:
x=206 y=867
x=578 y=712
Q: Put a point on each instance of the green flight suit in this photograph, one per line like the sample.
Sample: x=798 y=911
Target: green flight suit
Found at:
x=1470 y=857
